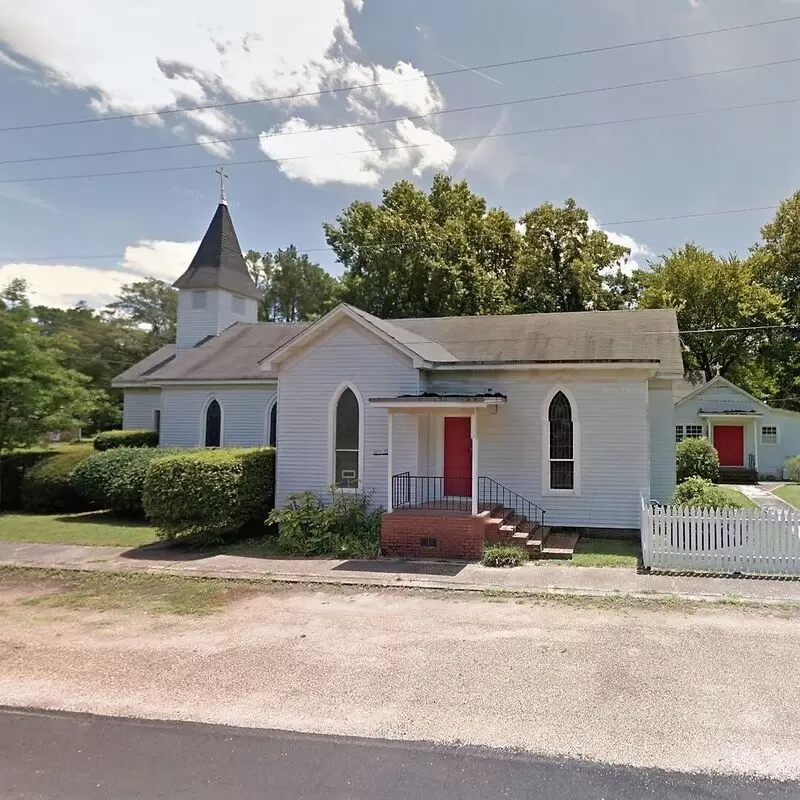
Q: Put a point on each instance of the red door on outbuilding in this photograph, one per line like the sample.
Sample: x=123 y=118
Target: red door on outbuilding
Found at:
x=457 y=457
x=729 y=441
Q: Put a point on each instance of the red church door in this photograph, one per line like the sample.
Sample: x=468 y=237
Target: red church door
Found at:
x=457 y=457
x=729 y=441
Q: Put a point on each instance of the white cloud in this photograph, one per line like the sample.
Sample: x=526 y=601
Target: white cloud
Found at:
x=216 y=148
x=327 y=163
x=64 y=285
x=7 y=61
x=201 y=51
x=155 y=258
x=21 y=193
x=639 y=250
x=428 y=151
x=351 y=155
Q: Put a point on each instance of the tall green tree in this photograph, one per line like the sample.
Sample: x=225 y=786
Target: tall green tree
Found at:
x=150 y=303
x=566 y=265
x=295 y=289
x=720 y=295
x=435 y=253
x=38 y=392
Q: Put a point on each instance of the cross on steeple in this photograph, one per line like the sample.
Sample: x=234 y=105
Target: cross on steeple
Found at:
x=717 y=369
x=223 y=176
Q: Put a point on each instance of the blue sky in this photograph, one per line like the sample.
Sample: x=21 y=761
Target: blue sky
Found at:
x=117 y=57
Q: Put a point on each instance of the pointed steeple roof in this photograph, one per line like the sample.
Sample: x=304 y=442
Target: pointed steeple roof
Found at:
x=218 y=263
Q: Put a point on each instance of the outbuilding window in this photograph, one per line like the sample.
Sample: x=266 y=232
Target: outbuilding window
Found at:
x=769 y=434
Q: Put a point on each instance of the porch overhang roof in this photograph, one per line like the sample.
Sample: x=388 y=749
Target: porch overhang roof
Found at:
x=741 y=414
x=430 y=400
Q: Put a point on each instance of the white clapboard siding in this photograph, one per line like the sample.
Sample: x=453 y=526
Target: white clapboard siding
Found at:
x=755 y=541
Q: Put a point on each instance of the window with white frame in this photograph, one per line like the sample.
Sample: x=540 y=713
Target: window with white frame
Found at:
x=769 y=434
x=688 y=432
x=237 y=304
x=157 y=419
x=562 y=445
x=199 y=300
x=346 y=439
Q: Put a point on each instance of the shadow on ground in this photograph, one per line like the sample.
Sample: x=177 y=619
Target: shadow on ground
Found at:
x=163 y=551
x=409 y=567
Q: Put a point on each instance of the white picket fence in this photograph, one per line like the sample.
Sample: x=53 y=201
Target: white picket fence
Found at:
x=756 y=541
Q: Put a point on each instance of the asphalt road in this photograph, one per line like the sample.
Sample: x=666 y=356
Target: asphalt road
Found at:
x=49 y=756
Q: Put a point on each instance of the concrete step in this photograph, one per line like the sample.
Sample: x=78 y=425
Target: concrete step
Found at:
x=560 y=545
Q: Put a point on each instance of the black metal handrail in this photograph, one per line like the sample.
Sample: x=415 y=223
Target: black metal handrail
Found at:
x=428 y=491
x=493 y=495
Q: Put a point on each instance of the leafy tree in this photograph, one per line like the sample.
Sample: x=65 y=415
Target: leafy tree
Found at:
x=295 y=288
x=713 y=293
x=151 y=303
x=776 y=264
x=426 y=254
x=566 y=265
x=38 y=393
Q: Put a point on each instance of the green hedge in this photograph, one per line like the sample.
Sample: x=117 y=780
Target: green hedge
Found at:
x=696 y=458
x=700 y=493
x=210 y=495
x=47 y=486
x=114 y=479
x=13 y=467
x=108 y=440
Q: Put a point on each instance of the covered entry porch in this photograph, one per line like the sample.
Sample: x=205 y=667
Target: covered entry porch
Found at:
x=446 y=507
x=735 y=437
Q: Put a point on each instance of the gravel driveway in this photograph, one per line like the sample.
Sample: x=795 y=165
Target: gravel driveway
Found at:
x=710 y=689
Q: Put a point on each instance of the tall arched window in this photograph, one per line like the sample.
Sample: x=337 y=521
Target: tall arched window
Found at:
x=346 y=437
x=272 y=425
x=213 y=435
x=562 y=443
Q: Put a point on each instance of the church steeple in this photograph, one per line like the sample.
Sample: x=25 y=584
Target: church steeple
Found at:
x=219 y=263
x=216 y=290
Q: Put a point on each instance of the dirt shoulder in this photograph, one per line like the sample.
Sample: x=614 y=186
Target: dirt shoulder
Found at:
x=682 y=686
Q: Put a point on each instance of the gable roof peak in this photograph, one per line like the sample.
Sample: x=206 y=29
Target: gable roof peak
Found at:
x=218 y=262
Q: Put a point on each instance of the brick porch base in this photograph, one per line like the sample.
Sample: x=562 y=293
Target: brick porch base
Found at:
x=429 y=533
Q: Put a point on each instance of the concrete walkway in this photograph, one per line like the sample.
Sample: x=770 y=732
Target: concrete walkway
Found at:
x=763 y=498
x=534 y=578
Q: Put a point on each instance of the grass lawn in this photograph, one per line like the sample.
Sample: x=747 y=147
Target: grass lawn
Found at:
x=605 y=553
x=790 y=493
x=736 y=495
x=93 y=528
x=114 y=591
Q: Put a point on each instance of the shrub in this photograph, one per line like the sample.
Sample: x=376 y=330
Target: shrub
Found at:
x=697 y=458
x=209 y=495
x=13 y=467
x=47 y=486
x=108 y=440
x=503 y=555
x=344 y=525
x=791 y=470
x=114 y=479
x=700 y=493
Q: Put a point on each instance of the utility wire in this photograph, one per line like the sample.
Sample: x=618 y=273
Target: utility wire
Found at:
x=397 y=147
x=392 y=120
x=422 y=76
x=301 y=250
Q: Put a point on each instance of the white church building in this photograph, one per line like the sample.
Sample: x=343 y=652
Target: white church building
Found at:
x=567 y=415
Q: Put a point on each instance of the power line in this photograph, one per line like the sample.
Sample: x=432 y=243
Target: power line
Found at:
x=422 y=76
x=301 y=250
x=393 y=148
x=482 y=106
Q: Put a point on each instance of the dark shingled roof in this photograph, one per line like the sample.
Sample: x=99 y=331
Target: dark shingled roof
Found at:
x=218 y=263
